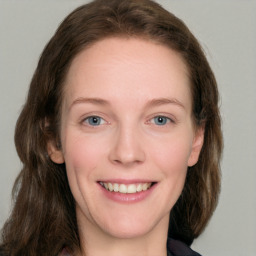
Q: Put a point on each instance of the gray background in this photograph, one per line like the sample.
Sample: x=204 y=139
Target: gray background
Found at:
x=227 y=31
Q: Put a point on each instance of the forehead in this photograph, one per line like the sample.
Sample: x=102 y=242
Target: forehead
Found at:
x=121 y=67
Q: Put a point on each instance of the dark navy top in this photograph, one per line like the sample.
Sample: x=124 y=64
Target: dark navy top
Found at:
x=178 y=248
x=174 y=248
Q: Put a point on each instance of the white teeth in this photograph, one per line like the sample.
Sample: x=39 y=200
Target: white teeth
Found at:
x=139 y=188
x=122 y=188
x=116 y=187
x=110 y=187
x=144 y=186
x=132 y=188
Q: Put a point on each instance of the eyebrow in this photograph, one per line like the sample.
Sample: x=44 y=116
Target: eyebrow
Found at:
x=151 y=103
x=96 y=101
x=164 y=101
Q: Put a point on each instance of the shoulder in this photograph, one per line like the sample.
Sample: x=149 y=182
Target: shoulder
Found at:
x=178 y=248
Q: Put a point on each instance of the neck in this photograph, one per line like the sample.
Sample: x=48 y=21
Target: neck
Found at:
x=96 y=242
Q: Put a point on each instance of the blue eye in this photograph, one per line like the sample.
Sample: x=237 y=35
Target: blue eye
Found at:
x=161 y=120
x=94 y=120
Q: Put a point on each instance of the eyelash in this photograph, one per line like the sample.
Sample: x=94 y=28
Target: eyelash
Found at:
x=94 y=119
x=164 y=120
x=98 y=121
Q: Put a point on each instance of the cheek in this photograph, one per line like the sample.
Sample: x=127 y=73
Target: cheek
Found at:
x=82 y=157
x=82 y=153
x=172 y=154
x=170 y=159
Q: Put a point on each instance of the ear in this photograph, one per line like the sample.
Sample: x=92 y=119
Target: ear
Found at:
x=55 y=152
x=196 y=146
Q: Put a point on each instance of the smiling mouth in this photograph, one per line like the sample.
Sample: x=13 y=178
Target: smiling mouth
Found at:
x=126 y=188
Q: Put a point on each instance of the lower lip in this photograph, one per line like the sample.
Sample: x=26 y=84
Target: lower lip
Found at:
x=127 y=198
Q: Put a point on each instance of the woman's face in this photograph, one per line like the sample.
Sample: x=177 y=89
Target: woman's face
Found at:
x=127 y=135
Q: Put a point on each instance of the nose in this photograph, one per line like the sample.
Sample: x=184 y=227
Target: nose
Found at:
x=127 y=149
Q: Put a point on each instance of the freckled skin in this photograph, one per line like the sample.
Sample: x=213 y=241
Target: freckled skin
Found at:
x=128 y=144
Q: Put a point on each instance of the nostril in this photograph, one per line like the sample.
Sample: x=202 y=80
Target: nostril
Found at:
x=126 y=147
x=127 y=158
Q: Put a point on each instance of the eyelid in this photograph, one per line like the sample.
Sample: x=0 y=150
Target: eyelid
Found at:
x=84 y=119
x=88 y=119
x=171 y=118
x=168 y=120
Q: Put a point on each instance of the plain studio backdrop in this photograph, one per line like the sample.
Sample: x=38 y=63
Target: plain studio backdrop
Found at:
x=227 y=32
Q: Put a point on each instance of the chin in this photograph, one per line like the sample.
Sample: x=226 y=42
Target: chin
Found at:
x=128 y=232
x=130 y=227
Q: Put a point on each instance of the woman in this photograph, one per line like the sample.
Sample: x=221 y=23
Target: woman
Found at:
x=120 y=138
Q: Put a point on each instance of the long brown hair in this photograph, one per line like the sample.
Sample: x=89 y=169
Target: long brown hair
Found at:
x=43 y=218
